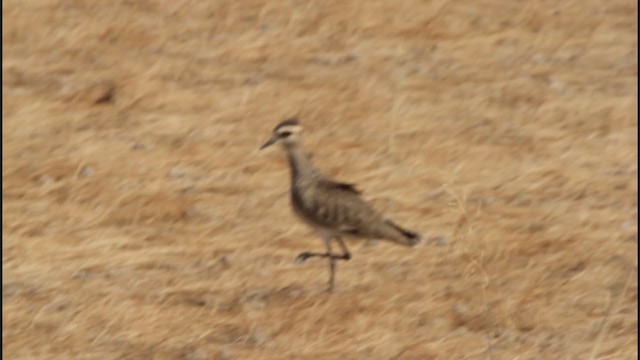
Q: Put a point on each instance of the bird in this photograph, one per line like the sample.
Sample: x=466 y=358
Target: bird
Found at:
x=332 y=208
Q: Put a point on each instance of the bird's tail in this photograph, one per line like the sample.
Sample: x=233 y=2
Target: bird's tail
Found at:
x=401 y=235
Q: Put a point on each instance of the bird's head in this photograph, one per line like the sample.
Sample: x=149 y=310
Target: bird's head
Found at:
x=286 y=133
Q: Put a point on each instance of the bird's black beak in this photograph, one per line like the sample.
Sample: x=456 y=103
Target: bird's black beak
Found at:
x=269 y=142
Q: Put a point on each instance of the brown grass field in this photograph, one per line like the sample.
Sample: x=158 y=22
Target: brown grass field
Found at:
x=141 y=222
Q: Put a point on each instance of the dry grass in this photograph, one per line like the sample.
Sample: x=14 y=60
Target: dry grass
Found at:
x=139 y=220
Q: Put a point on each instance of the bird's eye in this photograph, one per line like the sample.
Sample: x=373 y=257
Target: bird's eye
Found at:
x=285 y=134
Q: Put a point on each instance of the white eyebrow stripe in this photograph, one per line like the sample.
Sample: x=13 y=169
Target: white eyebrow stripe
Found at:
x=290 y=128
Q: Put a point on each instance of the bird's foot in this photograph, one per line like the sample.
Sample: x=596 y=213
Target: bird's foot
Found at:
x=302 y=257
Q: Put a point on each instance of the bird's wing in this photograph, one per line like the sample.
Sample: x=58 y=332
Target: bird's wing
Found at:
x=345 y=209
x=339 y=206
x=341 y=186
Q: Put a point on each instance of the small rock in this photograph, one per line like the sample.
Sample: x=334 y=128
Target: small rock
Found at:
x=461 y=309
x=87 y=171
x=84 y=275
x=198 y=354
x=12 y=289
x=252 y=80
x=539 y=58
x=484 y=201
x=257 y=304
x=60 y=304
x=294 y=293
x=102 y=93
x=225 y=261
x=624 y=64
x=352 y=56
x=189 y=190
x=45 y=180
x=224 y=354
x=177 y=173
x=440 y=240
x=535 y=227
x=630 y=224
x=197 y=302
x=260 y=338
x=106 y=97
x=138 y=145
x=559 y=86
x=227 y=306
x=257 y=299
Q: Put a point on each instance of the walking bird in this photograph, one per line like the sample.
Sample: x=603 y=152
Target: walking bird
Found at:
x=333 y=209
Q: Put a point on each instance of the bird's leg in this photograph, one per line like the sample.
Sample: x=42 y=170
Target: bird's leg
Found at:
x=302 y=257
x=332 y=263
x=346 y=255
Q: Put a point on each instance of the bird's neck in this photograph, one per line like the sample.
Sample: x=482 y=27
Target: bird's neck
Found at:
x=299 y=161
